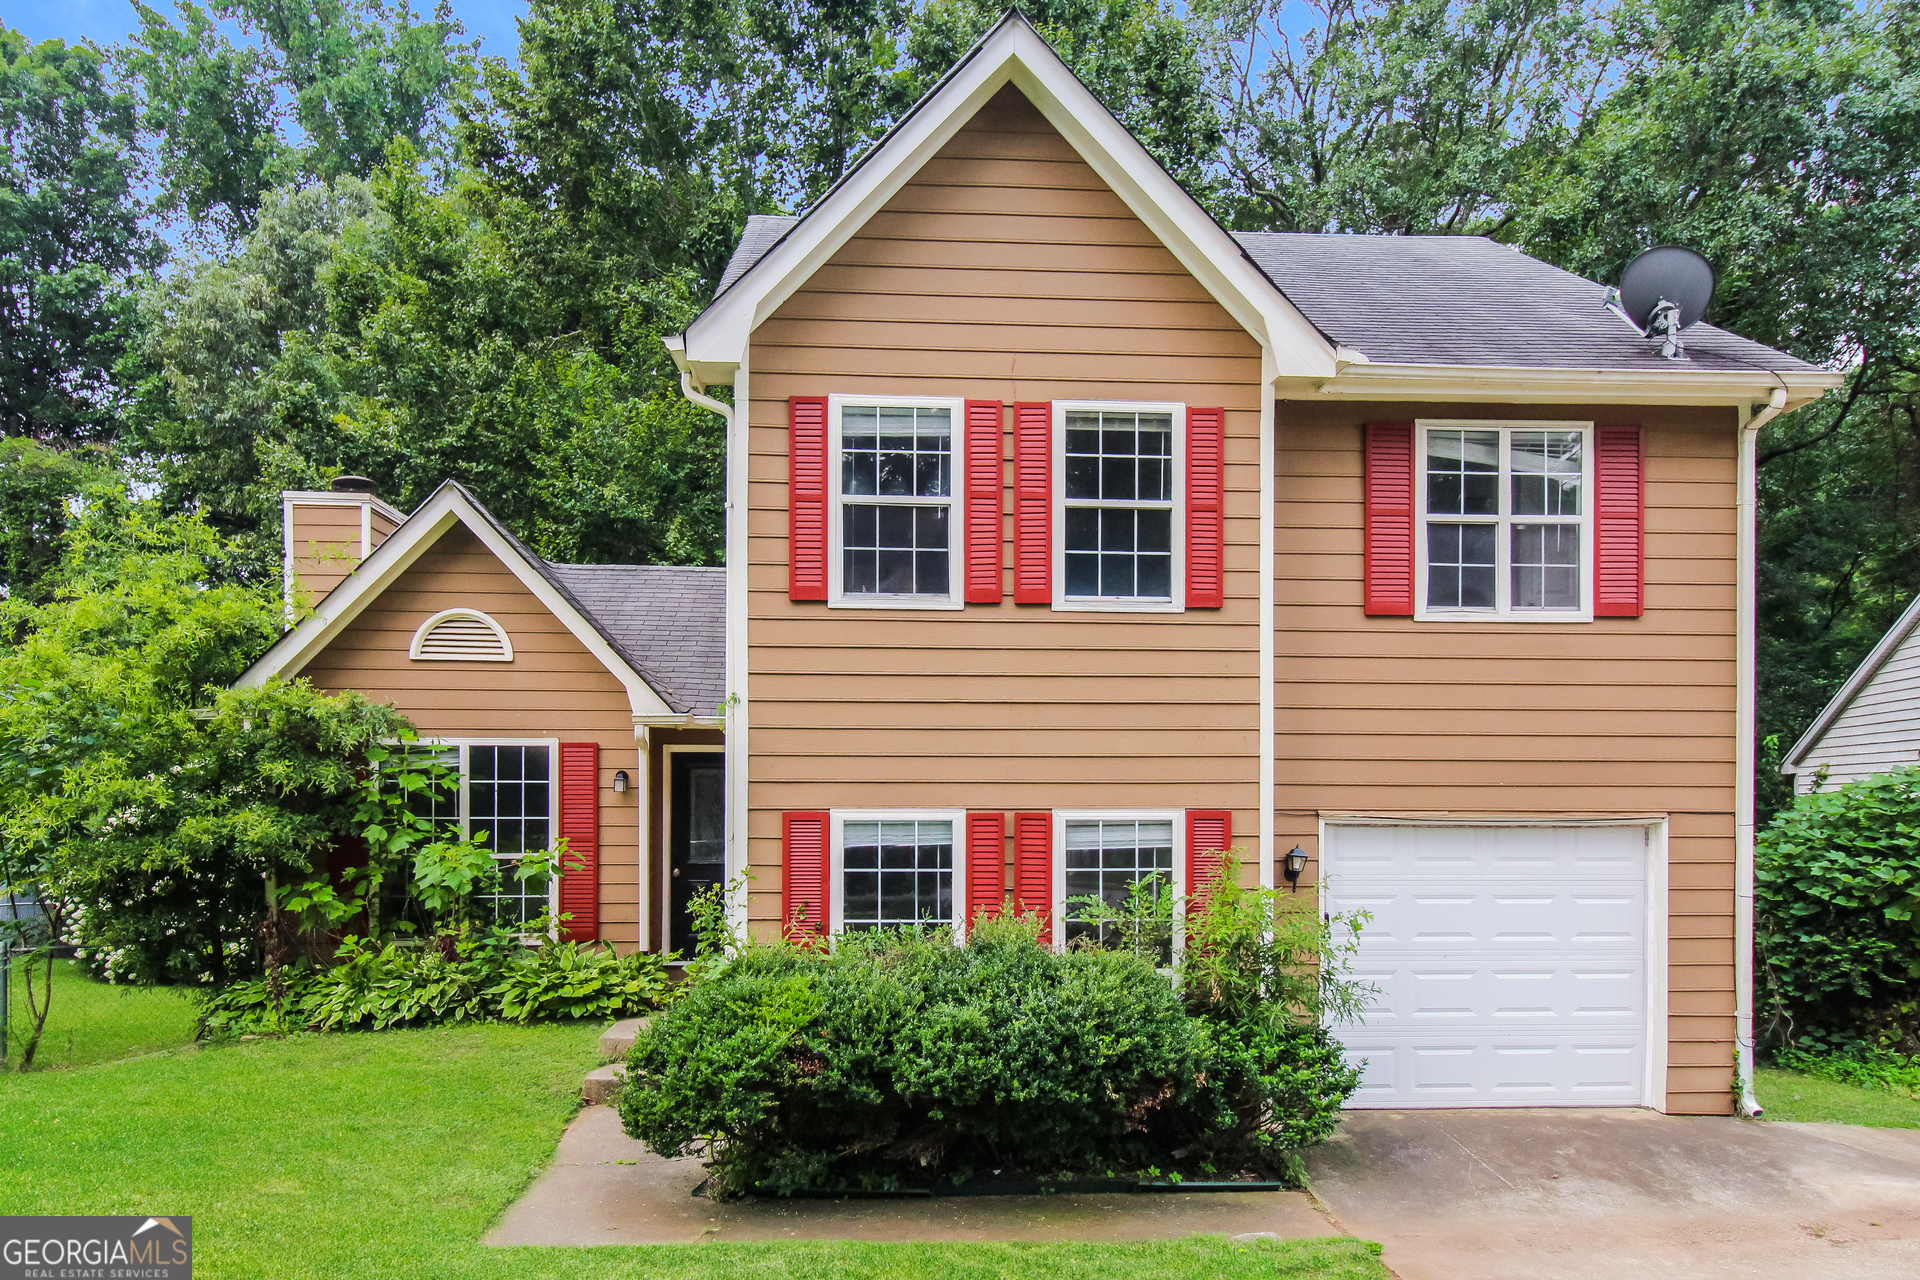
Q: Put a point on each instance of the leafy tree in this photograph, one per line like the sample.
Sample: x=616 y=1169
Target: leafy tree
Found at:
x=71 y=240
x=1413 y=118
x=319 y=93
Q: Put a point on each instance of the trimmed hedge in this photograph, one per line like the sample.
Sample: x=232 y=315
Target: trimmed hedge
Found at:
x=901 y=1061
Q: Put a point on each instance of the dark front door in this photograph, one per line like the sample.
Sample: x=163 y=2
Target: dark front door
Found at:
x=696 y=845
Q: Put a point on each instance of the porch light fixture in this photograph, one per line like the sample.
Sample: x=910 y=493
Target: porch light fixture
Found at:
x=1296 y=863
x=619 y=780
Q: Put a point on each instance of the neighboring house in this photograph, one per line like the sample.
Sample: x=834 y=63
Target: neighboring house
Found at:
x=1072 y=539
x=576 y=700
x=1873 y=723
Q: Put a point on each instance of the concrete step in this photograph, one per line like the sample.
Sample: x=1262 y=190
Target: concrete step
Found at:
x=603 y=1083
x=618 y=1038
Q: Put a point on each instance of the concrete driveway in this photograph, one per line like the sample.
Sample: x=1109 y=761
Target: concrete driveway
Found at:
x=1572 y=1195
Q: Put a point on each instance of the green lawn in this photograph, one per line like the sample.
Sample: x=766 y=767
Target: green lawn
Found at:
x=389 y=1155
x=1790 y=1095
x=95 y=1022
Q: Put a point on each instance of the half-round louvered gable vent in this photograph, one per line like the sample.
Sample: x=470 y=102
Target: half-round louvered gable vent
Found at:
x=461 y=635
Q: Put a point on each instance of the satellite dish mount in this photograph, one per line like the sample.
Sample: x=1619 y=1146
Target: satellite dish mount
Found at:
x=1663 y=292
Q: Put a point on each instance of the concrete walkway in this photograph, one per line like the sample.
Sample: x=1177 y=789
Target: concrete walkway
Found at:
x=606 y=1188
x=1599 y=1195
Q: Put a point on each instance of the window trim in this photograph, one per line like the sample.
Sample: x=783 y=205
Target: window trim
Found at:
x=1503 y=549
x=837 y=596
x=837 y=820
x=1061 y=817
x=1062 y=603
x=552 y=745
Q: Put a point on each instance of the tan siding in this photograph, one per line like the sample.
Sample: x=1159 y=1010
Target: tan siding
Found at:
x=1005 y=270
x=326 y=546
x=553 y=688
x=1630 y=716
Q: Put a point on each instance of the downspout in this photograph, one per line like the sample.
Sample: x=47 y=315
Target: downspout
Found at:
x=734 y=721
x=1269 y=460
x=1746 y=630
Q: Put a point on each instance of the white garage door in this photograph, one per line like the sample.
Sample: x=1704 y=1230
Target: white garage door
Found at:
x=1510 y=963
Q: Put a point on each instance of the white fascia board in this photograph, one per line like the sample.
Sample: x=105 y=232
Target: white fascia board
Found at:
x=1380 y=381
x=1015 y=53
x=1862 y=675
x=447 y=507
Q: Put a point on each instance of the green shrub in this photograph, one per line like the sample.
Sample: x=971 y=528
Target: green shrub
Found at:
x=1837 y=888
x=900 y=1059
x=452 y=978
x=1859 y=1065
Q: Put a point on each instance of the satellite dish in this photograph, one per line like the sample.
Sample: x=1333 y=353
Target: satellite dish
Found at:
x=1663 y=291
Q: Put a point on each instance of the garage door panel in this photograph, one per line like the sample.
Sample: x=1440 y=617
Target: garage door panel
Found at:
x=1509 y=964
x=1520 y=1071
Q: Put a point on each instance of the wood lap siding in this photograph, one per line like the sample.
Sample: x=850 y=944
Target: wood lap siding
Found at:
x=326 y=547
x=1005 y=270
x=1880 y=729
x=1621 y=715
x=553 y=688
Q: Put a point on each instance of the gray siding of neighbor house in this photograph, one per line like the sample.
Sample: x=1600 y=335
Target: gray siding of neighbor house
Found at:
x=1879 y=730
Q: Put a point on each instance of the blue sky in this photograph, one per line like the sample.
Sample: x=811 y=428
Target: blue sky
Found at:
x=108 y=22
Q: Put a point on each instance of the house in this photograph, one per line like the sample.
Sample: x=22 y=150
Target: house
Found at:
x=575 y=700
x=1873 y=723
x=1073 y=539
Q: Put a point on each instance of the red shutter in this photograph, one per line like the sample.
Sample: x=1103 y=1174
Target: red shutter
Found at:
x=1033 y=503
x=986 y=865
x=1033 y=869
x=1209 y=836
x=984 y=485
x=1389 y=516
x=807 y=498
x=580 y=828
x=1619 y=570
x=1206 y=492
x=803 y=876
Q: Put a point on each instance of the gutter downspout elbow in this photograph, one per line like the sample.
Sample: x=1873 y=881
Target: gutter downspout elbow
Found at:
x=706 y=401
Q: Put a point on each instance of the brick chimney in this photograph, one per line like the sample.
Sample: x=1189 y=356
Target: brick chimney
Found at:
x=325 y=535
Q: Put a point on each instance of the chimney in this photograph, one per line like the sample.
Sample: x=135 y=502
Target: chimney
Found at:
x=326 y=534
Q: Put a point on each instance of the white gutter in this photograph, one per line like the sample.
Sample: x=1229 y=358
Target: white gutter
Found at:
x=1478 y=383
x=736 y=629
x=1746 y=680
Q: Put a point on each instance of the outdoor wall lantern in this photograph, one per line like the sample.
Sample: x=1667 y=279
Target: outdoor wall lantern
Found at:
x=1296 y=863
x=620 y=780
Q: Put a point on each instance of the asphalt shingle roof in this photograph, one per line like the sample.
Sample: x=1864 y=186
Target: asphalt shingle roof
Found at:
x=762 y=233
x=669 y=620
x=1466 y=300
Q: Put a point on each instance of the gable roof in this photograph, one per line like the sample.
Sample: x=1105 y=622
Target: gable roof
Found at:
x=791 y=250
x=1856 y=684
x=1422 y=317
x=658 y=686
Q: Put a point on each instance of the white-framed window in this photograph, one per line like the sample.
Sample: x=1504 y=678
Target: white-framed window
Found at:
x=1119 y=528
x=896 y=473
x=898 y=867
x=1505 y=524
x=507 y=789
x=1106 y=851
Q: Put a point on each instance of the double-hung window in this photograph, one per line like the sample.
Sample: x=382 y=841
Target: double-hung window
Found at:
x=505 y=790
x=895 y=473
x=1119 y=524
x=902 y=869
x=1106 y=857
x=1506 y=521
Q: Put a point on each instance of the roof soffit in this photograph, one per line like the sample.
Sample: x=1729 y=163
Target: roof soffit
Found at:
x=1013 y=53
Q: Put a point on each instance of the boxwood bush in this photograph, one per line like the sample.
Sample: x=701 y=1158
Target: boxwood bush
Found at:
x=1837 y=889
x=900 y=1060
